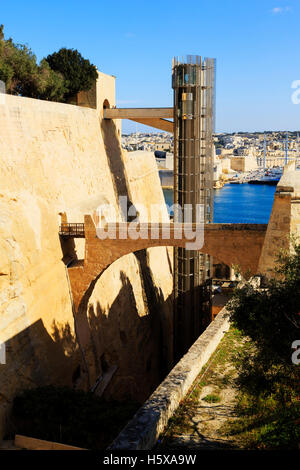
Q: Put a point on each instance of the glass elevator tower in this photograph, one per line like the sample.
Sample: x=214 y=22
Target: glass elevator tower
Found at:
x=193 y=82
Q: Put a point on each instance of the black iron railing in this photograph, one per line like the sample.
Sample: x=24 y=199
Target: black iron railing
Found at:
x=72 y=230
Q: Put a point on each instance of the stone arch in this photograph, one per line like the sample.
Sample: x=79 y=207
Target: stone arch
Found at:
x=238 y=244
x=106 y=104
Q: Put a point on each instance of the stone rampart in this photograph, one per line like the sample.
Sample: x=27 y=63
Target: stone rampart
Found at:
x=59 y=159
x=142 y=432
x=284 y=223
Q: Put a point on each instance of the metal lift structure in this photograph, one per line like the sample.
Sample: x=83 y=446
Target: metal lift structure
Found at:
x=193 y=82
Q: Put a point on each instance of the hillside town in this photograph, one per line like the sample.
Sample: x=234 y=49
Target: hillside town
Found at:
x=162 y=141
x=244 y=153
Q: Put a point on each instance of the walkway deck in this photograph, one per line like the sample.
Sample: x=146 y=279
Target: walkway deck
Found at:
x=238 y=244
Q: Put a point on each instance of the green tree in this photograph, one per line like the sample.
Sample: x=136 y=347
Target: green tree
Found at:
x=269 y=381
x=23 y=76
x=51 y=84
x=271 y=316
x=21 y=63
x=79 y=74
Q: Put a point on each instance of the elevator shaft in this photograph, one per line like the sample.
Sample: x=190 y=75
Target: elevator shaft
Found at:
x=193 y=84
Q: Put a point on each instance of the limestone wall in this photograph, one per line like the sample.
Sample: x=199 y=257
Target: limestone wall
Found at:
x=64 y=159
x=243 y=163
x=284 y=223
x=143 y=431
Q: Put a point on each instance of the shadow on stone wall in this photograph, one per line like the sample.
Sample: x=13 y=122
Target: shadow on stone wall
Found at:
x=188 y=325
x=119 y=339
x=114 y=157
x=124 y=339
x=154 y=303
x=68 y=249
x=35 y=358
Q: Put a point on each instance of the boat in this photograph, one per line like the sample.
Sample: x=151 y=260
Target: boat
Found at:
x=269 y=180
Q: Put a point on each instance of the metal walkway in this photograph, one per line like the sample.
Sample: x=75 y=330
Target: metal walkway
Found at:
x=74 y=230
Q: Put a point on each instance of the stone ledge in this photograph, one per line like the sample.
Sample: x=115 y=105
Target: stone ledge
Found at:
x=142 y=432
x=241 y=226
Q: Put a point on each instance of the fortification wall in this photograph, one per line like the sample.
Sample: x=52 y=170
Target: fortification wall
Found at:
x=243 y=163
x=64 y=159
x=284 y=223
x=143 y=431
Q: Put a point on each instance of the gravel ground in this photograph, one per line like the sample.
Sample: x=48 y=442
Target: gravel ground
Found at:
x=210 y=404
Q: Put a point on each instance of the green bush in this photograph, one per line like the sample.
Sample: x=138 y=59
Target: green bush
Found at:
x=271 y=316
x=79 y=74
x=23 y=76
x=269 y=382
x=211 y=398
x=56 y=78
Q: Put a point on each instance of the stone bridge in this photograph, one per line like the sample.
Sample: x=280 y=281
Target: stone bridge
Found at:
x=232 y=244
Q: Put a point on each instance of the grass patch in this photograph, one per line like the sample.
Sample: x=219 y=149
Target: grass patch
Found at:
x=269 y=381
x=266 y=420
x=268 y=401
x=211 y=398
x=183 y=420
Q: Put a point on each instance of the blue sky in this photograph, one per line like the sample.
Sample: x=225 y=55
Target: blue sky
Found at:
x=256 y=44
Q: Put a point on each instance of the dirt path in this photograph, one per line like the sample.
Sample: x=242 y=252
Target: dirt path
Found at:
x=201 y=419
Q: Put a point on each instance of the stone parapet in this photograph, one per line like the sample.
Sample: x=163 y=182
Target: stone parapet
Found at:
x=142 y=432
x=284 y=223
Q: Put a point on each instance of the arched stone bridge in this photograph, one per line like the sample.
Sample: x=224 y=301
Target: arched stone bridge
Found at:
x=232 y=244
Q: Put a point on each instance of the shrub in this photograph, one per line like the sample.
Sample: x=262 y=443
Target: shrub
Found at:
x=79 y=74
x=56 y=78
x=271 y=316
x=269 y=381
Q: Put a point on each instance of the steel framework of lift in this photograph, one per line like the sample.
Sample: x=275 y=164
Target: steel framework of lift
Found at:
x=193 y=82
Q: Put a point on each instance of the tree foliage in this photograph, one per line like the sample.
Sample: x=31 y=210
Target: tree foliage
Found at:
x=23 y=76
x=269 y=381
x=79 y=74
x=271 y=316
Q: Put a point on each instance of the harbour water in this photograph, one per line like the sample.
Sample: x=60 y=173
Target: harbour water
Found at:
x=239 y=203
